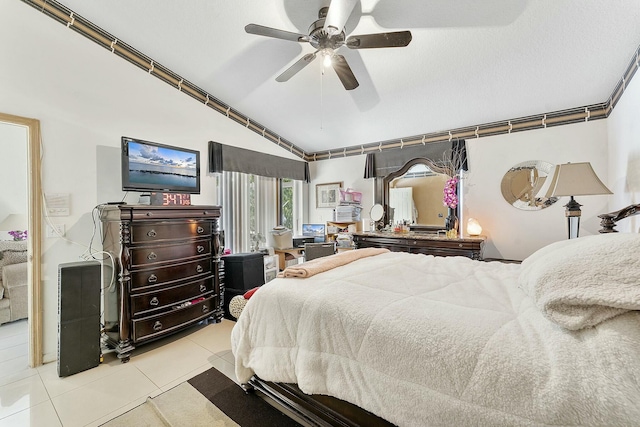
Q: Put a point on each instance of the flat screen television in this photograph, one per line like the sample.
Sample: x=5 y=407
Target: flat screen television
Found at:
x=314 y=230
x=151 y=166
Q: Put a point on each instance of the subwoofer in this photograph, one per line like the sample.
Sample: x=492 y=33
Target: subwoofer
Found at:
x=78 y=317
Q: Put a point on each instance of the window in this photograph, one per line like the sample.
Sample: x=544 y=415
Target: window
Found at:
x=252 y=205
x=286 y=203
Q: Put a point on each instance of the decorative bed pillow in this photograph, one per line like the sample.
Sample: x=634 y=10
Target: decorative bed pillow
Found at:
x=579 y=283
x=250 y=292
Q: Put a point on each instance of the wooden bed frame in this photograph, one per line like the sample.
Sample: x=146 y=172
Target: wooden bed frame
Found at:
x=609 y=219
x=313 y=410
x=325 y=411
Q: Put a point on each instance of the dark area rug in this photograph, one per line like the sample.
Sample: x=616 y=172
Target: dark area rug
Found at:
x=248 y=410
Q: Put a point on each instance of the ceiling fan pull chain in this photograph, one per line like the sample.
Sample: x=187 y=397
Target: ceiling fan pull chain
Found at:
x=321 y=99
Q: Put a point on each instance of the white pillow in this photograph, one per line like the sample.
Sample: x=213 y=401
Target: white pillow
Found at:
x=579 y=283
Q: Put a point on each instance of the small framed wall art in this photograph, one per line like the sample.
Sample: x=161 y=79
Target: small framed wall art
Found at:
x=328 y=195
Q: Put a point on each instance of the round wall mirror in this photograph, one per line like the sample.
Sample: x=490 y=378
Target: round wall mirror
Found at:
x=377 y=212
x=524 y=186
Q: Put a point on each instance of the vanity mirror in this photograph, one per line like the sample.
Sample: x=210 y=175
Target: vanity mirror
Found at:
x=524 y=186
x=414 y=194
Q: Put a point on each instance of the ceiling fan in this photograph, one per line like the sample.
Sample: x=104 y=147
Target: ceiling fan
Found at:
x=327 y=35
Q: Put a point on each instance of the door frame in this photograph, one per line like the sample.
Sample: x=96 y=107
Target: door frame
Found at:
x=34 y=242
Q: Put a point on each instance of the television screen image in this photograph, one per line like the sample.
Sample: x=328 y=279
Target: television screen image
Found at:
x=150 y=166
x=315 y=230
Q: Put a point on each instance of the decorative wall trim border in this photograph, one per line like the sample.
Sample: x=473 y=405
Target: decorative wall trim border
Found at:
x=81 y=25
x=540 y=121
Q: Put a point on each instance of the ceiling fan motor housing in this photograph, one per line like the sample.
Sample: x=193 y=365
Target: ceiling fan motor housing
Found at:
x=320 y=39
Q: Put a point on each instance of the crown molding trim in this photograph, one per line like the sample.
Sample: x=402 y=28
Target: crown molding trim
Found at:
x=587 y=113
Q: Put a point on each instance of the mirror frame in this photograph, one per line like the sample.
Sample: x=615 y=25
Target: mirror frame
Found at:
x=385 y=195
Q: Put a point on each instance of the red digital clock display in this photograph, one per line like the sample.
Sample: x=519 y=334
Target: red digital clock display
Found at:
x=170 y=199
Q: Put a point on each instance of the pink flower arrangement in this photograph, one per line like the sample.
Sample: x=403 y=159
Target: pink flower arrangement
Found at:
x=450 y=195
x=18 y=235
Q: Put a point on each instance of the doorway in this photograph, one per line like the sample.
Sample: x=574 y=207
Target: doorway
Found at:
x=35 y=234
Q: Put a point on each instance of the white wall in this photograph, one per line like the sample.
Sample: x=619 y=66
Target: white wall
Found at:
x=624 y=154
x=86 y=98
x=512 y=233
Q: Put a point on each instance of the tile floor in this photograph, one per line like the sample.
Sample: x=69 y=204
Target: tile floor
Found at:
x=38 y=397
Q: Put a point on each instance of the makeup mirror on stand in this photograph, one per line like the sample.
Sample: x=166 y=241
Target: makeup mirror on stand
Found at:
x=376 y=214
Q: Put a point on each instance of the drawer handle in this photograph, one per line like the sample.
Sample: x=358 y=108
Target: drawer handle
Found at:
x=205 y=308
x=152 y=256
x=200 y=230
x=203 y=288
x=459 y=245
x=199 y=268
x=157 y=326
x=154 y=301
x=200 y=249
x=152 y=233
x=152 y=279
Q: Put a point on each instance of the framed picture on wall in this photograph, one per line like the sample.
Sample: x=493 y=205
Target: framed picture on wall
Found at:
x=328 y=195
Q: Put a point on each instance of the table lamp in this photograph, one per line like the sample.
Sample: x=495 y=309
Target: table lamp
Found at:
x=575 y=179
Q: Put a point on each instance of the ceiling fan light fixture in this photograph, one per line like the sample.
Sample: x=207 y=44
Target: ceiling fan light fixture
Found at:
x=328 y=58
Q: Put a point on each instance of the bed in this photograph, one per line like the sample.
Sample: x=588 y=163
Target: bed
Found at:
x=414 y=340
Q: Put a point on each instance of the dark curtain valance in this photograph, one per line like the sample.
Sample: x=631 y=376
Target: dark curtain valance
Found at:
x=233 y=159
x=382 y=163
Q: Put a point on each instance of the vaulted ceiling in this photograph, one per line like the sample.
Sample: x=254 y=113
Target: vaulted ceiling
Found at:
x=470 y=62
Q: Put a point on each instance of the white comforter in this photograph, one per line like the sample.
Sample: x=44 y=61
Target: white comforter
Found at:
x=422 y=341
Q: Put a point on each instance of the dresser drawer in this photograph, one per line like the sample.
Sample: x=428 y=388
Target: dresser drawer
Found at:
x=170 y=274
x=158 y=299
x=162 y=231
x=157 y=254
x=161 y=324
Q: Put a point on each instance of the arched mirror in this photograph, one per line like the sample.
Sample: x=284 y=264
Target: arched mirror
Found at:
x=414 y=194
x=524 y=186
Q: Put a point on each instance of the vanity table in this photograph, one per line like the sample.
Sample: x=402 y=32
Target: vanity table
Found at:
x=421 y=243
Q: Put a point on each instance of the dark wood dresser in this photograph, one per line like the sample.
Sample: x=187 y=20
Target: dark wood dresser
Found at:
x=421 y=243
x=166 y=274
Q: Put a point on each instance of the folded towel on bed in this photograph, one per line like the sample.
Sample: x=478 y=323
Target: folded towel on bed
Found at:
x=579 y=283
x=319 y=265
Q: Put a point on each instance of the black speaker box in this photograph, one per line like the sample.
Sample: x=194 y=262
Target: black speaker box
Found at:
x=78 y=317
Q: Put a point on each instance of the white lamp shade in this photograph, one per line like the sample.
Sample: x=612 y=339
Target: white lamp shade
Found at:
x=576 y=179
x=15 y=222
x=473 y=227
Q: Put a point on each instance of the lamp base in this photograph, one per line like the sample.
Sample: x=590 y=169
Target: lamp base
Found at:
x=573 y=214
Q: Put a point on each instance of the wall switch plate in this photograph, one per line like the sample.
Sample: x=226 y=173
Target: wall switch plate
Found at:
x=57 y=232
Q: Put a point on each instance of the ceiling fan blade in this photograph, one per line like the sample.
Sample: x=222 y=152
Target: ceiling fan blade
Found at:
x=337 y=15
x=368 y=41
x=261 y=30
x=296 y=67
x=344 y=72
